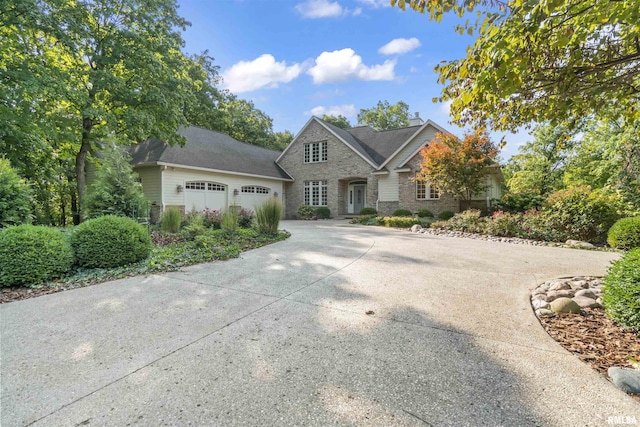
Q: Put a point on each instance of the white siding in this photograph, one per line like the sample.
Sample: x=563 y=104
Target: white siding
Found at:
x=151 y=184
x=388 y=186
x=172 y=177
x=494 y=189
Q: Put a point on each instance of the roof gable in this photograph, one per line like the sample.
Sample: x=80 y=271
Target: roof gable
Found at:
x=418 y=131
x=210 y=150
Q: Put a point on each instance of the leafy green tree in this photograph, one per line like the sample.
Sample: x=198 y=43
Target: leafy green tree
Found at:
x=244 y=122
x=385 y=116
x=458 y=166
x=541 y=60
x=15 y=197
x=98 y=68
x=539 y=166
x=339 y=121
x=115 y=189
x=282 y=139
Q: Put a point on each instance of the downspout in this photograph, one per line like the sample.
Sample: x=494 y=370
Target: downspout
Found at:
x=162 y=169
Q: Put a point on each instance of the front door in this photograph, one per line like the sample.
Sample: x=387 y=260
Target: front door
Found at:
x=358 y=198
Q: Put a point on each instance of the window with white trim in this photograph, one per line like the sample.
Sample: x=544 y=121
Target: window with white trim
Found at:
x=255 y=189
x=215 y=187
x=195 y=185
x=315 y=193
x=426 y=192
x=315 y=152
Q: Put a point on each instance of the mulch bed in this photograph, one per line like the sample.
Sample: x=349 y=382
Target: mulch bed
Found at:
x=20 y=292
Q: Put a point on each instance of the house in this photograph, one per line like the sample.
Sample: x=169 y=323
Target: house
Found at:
x=347 y=170
x=212 y=170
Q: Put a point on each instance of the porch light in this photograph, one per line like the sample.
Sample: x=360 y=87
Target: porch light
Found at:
x=236 y=192
x=275 y=194
x=179 y=188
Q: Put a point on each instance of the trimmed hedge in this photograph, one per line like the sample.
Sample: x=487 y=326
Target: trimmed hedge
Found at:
x=110 y=241
x=425 y=213
x=30 y=255
x=625 y=233
x=368 y=211
x=323 y=212
x=621 y=291
x=306 y=212
x=402 y=212
x=399 y=221
x=445 y=215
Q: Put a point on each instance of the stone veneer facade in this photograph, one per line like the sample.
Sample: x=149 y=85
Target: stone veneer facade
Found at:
x=343 y=165
x=408 y=199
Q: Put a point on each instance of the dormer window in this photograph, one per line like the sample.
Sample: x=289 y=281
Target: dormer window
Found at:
x=315 y=152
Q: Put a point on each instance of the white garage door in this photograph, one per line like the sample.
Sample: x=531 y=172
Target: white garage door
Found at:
x=254 y=195
x=200 y=195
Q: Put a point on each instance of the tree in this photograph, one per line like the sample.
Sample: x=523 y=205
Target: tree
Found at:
x=244 y=122
x=282 y=140
x=539 y=166
x=458 y=166
x=115 y=189
x=340 y=121
x=385 y=116
x=100 y=68
x=556 y=61
x=15 y=197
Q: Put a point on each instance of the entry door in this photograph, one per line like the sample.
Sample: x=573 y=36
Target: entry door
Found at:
x=358 y=198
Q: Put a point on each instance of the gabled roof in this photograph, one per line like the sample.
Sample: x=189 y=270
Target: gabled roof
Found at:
x=207 y=149
x=417 y=131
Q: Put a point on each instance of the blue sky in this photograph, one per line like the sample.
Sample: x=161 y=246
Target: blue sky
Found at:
x=298 y=58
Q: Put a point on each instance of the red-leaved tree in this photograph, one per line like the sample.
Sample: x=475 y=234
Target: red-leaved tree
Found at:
x=458 y=166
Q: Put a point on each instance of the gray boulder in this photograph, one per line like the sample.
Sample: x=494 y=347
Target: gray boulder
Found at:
x=416 y=228
x=626 y=379
x=585 y=302
x=564 y=305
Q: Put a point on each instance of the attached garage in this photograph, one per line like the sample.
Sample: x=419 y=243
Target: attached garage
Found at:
x=253 y=195
x=200 y=195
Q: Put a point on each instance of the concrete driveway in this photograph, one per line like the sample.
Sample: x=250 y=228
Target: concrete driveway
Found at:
x=281 y=336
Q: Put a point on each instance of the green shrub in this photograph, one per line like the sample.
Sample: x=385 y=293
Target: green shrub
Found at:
x=621 y=291
x=580 y=213
x=504 y=224
x=625 y=233
x=15 y=197
x=115 y=189
x=400 y=221
x=363 y=219
x=445 y=215
x=368 y=211
x=425 y=213
x=518 y=202
x=31 y=254
x=171 y=219
x=469 y=221
x=323 y=212
x=442 y=225
x=268 y=216
x=192 y=217
x=306 y=212
x=229 y=222
x=110 y=241
x=402 y=212
x=245 y=218
x=212 y=218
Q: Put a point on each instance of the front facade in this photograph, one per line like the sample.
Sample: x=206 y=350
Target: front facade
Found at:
x=347 y=170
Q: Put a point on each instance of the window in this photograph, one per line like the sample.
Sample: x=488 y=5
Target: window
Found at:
x=426 y=192
x=315 y=193
x=255 y=189
x=315 y=152
x=215 y=187
x=195 y=185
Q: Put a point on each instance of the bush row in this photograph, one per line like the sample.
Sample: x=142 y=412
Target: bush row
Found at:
x=306 y=212
x=30 y=255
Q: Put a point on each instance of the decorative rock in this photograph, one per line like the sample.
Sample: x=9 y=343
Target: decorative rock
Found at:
x=626 y=379
x=585 y=302
x=579 y=284
x=416 y=228
x=599 y=301
x=539 y=304
x=552 y=295
x=539 y=297
x=560 y=286
x=579 y=243
x=564 y=305
x=586 y=293
x=543 y=312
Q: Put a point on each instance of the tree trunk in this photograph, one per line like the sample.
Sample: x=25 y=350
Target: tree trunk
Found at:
x=81 y=159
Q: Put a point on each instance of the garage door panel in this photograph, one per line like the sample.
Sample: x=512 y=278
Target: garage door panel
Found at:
x=200 y=195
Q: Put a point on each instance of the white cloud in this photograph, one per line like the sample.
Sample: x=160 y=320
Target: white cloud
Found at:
x=246 y=76
x=445 y=107
x=399 y=46
x=413 y=69
x=341 y=65
x=347 y=110
x=357 y=11
x=375 y=4
x=319 y=9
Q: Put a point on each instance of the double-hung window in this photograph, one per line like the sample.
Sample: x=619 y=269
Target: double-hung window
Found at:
x=315 y=193
x=315 y=152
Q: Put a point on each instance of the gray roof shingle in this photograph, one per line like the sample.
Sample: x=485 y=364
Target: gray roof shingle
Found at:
x=210 y=150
